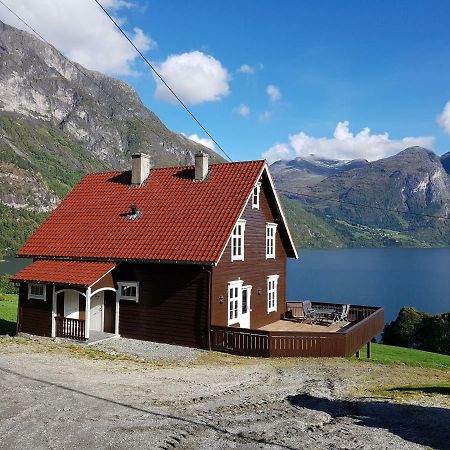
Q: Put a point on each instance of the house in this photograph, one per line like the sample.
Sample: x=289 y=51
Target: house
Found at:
x=159 y=254
x=194 y=256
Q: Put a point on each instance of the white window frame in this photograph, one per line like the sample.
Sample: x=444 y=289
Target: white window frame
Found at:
x=271 y=233
x=272 y=293
x=255 y=195
x=247 y=288
x=237 y=237
x=132 y=298
x=37 y=296
x=234 y=287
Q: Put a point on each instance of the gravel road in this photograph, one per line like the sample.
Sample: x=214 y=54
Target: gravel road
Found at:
x=60 y=396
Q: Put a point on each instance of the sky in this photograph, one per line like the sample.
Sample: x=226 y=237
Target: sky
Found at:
x=273 y=79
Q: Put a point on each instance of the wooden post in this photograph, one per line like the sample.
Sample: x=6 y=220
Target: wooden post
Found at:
x=369 y=350
x=53 y=312
x=357 y=353
x=87 y=319
x=116 y=321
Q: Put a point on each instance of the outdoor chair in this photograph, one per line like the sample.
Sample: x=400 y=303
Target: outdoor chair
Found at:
x=308 y=311
x=343 y=315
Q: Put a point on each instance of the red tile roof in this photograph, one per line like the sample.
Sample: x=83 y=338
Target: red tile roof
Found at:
x=77 y=273
x=181 y=220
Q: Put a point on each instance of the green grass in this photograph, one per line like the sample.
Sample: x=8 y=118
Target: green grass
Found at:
x=8 y=313
x=388 y=354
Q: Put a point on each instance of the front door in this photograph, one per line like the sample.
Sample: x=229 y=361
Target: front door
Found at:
x=97 y=307
x=245 y=307
x=72 y=304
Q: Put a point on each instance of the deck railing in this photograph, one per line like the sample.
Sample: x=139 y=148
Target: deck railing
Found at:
x=367 y=322
x=70 y=328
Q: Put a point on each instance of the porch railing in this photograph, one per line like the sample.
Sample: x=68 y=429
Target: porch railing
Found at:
x=70 y=328
x=367 y=322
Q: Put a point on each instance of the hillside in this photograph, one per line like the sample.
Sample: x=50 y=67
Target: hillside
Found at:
x=57 y=124
x=415 y=181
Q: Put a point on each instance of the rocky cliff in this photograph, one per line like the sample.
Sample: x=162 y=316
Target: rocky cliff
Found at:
x=58 y=121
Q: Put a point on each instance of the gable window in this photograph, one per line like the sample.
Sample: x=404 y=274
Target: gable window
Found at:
x=271 y=229
x=234 y=301
x=272 y=286
x=36 y=291
x=255 y=195
x=128 y=290
x=237 y=241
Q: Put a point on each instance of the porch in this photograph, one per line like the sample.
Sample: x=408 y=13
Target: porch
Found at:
x=296 y=338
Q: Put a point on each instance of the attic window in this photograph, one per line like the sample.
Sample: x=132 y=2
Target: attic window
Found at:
x=255 y=195
x=128 y=290
x=133 y=214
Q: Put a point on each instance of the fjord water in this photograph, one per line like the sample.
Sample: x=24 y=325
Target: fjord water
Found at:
x=388 y=277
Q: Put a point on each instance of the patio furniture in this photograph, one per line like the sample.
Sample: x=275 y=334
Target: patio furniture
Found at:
x=308 y=311
x=323 y=313
x=343 y=315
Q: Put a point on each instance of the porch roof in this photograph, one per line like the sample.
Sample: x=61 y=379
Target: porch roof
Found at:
x=75 y=273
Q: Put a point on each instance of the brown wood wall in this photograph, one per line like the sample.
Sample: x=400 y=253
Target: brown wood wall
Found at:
x=253 y=270
x=173 y=303
x=35 y=316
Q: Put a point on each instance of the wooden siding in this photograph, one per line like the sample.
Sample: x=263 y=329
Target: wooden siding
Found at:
x=172 y=307
x=35 y=316
x=254 y=269
x=105 y=281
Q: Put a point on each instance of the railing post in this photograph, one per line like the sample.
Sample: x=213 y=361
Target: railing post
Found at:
x=53 y=312
x=369 y=350
x=87 y=323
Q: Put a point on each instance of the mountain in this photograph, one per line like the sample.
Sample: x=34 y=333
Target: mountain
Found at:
x=310 y=170
x=360 y=205
x=58 y=121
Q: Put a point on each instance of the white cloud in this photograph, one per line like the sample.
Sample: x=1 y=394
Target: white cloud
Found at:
x=265 y=116
x=242 y=110
x=444 y=118
x=273 y=92
x=207 y=142
x=344 y=145
x=195 y=78
x=247 y=69
x=82 y=31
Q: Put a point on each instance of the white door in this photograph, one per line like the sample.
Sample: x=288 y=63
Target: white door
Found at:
x=97 y=312
x=72 y=304
x=244 y=319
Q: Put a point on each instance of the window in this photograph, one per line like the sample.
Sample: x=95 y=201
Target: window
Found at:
x=234 y=300
x=128 y=290
x=237 y=241
x=246 y=292
x=271 y=229
x=272 y=284
x=36 y=291
x=255 y=196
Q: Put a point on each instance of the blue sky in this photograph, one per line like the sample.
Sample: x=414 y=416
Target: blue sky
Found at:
x=383 y=65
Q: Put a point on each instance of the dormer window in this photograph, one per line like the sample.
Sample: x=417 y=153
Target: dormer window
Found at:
x=255 y=195
x=271 y=229
x=237 y=241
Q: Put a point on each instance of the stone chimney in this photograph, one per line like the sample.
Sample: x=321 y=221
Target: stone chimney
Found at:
x=140 y=168
x=201 y=166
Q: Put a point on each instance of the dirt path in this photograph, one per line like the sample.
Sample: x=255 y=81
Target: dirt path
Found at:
x=57 y=397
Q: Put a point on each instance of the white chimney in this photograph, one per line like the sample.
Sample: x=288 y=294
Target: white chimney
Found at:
x=201 y=166
x=140 y=168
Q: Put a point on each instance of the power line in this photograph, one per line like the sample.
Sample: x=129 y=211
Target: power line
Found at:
x=162 y=80
x=84 y=73
x=362 y=205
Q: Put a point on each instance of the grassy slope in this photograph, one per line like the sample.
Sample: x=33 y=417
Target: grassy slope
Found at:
x=388 y=354
x=8 y=313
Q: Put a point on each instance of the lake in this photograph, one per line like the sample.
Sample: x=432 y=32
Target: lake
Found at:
x=391 y=278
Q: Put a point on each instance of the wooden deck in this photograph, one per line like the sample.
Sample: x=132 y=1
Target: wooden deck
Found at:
x=302 y=327
x=365 y=323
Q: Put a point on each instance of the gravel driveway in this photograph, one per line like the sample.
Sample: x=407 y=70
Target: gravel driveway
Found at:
x=59 y=396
